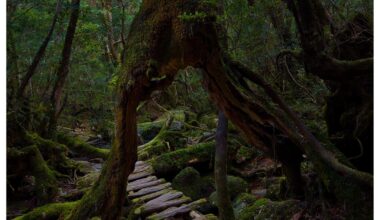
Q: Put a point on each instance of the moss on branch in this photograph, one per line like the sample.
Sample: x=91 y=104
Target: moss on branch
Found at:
x=82 y=148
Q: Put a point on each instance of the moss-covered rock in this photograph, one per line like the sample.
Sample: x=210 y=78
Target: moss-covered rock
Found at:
x=242 y=201
x=49 y=211
x=173 y=162
x=236 y=186
x=244 y=153
x=266 y=209
x=192 y=184
x=189 y=182
x=276 y=188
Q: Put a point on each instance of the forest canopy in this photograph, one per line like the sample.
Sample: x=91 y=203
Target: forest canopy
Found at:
x=189 y=109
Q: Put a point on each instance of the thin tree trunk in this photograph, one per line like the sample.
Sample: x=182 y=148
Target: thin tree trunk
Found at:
x=223 y=197
x=107 y=16
x=40 y=53
x=63 y=69
x=122 y=32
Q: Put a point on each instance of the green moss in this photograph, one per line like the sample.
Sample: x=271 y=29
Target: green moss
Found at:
x=211 y=217
x=82 y=148
x=189 y=182
x=236 y=185
x=175 y=161
x=244 y=153
x=55 y=154
x=163 y=142
x=242 y=201
x=266 y=209
x=32 y=162
x=148 y=130
x=87 y=180
x=193 y=17
x=209 y=120
x=260 y=202
x=49 y=211
x=276 y=189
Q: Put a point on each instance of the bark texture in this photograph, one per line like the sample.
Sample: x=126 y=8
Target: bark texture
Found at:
x=223 y=197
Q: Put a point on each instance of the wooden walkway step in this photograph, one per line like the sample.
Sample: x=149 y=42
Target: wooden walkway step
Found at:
x=156 y=199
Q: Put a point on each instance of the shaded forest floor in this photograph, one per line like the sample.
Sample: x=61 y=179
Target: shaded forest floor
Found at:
x=180 y=147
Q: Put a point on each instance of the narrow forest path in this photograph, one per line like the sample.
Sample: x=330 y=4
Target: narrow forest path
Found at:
x=151 y=196
x=155 y=199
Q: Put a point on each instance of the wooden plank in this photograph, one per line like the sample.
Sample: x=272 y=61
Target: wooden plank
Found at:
x=149 y=190
x=173 y=211
x=135 y=187
x=151 y=195
x=155 y=207
x=143 y=180
x=141 y=168
x=165 y=197
x=135 y=176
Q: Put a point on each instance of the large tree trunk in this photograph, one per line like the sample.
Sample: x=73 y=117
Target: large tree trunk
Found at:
x=223 y=196
x=159 y=44
x=63 y=70
x=40 y=53
x=107 y=196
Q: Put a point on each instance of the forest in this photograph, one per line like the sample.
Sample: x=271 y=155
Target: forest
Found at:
x=189 y=109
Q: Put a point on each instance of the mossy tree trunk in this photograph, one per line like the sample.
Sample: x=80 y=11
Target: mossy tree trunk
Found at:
x=107 y=196
x=223 y=197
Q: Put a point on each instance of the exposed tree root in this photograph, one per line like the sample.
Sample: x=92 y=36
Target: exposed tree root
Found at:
x=29 y=161
x=55 y=154
x=49 y=211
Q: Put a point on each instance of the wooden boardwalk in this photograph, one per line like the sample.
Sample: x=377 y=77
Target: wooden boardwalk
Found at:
x=155 y=199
